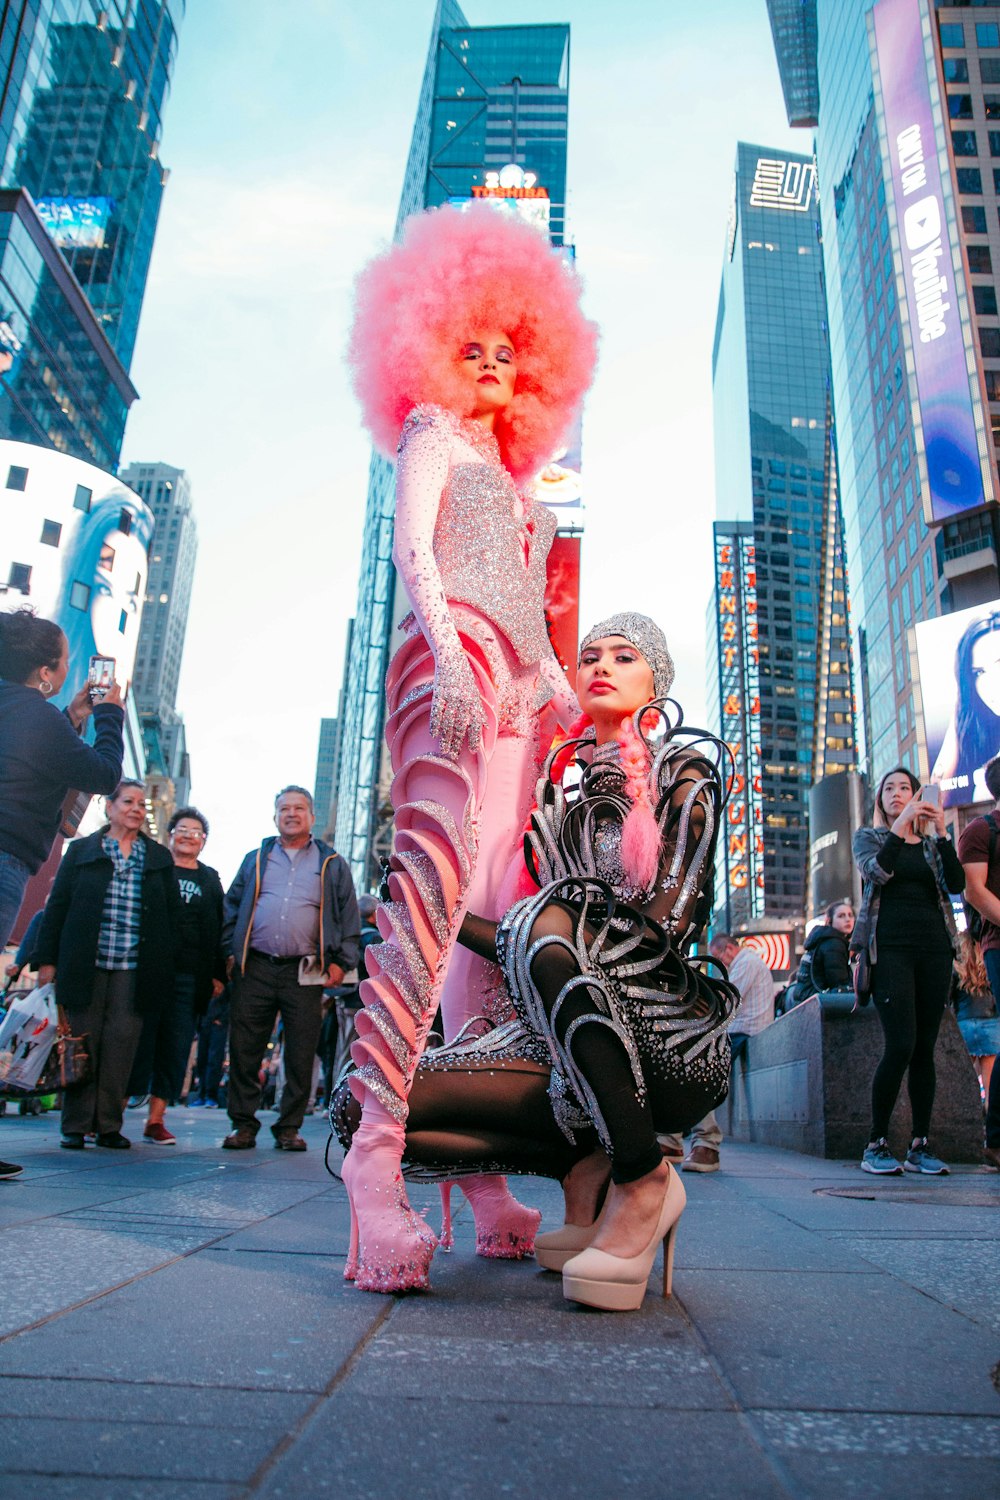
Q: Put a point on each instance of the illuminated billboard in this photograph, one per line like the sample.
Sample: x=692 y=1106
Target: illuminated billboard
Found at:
x=959 y=663
x=76 y=223
x=74 y=546
x=948 y=410
x=742 y=843
x=515 y=191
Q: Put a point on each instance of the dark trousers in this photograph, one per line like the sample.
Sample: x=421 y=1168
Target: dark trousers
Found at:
x=114 y=1027
x=909 y=991
x=162 y=1059
x=265 y=990
x=992 y=960
x=213 y=1033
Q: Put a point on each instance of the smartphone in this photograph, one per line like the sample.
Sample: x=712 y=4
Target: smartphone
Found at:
x=101 y=677
x=931 y=793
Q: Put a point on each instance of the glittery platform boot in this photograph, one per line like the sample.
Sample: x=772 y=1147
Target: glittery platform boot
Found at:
x=391 y=1245
x=505 y=1228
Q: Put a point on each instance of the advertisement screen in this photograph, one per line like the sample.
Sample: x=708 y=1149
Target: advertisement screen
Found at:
x=562 y=600
x=76 y=223
x=833 y=812
x=74 y=547
x=959 y=661
x=926 y=244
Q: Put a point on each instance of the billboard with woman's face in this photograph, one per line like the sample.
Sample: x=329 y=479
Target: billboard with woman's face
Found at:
x=959 y=659
x=74 y=545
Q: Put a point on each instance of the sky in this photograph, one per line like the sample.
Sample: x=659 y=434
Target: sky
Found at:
x=286 y=136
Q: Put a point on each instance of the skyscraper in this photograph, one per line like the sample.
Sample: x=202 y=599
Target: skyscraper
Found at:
x=491 y=122
x=909 y=199
x=173 y=553
x=779 y=675
x=83 y=90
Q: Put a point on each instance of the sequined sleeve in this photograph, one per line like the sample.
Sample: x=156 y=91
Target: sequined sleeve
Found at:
x=690 y=807
x=422 y=467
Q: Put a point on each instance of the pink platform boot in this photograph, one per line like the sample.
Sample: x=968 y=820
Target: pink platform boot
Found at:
x=391 y=1246
x=505 y=1228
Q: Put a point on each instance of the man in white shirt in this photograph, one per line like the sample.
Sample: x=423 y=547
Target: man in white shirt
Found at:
x=752 y=978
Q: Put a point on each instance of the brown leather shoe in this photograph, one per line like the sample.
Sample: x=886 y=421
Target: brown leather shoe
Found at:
x=701 y=1159
x=243 y=1139
x=289 y=1140
x=991 y=1157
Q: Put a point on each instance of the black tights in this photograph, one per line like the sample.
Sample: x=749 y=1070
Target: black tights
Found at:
x=596 y=1050
x=909 y=993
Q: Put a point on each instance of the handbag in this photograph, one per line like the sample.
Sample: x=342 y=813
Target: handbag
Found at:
x=69 y=1063
x=862 y=976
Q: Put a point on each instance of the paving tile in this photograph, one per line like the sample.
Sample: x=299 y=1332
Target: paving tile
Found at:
x=605 y=1374
x=132 y=1450
x=867 y=1343
x=77 y=1487
x=964 y=1275
x=320 y=1226
x=766 y=1241
x=90 y=1399
x=888 y=1433
x=43 y=1275
x=468 y=1453
x=865 y=1476
x=219 y=1318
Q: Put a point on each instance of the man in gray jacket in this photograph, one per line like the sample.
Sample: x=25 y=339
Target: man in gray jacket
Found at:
x=291 y=926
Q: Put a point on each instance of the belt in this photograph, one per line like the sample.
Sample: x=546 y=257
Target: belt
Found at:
x=274 y=958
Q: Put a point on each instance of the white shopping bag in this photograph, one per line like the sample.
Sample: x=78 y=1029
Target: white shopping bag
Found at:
x=27 y=1035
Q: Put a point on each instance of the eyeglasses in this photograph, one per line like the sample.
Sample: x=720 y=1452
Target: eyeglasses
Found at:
x=188 y=833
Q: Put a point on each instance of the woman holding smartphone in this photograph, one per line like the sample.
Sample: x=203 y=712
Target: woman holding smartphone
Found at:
x=910 y=870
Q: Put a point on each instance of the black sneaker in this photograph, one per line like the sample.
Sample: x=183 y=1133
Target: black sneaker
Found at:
x=880 y=1160
x=8 y=1169
x=919 y=1159
x=72 y=1140
x=113 y=1140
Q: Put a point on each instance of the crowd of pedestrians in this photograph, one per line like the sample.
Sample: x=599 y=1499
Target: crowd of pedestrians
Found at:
x=186 y=992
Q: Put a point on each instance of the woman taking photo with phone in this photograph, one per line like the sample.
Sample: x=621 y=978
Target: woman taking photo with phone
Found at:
x=42 y=754
x=910 y=870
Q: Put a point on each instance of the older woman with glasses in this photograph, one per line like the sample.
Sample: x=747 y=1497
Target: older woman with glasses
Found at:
x=199 y=974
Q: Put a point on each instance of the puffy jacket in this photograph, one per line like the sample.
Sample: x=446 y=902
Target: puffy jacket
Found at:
x=830 y=969
x=339 y=920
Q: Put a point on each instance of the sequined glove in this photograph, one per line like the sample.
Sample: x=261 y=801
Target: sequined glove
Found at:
x=456 y=708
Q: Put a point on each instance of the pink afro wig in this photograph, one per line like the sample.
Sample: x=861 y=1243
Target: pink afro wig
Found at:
x=453 y=273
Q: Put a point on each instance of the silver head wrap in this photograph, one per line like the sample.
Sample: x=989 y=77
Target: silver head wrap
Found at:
x=646 y=636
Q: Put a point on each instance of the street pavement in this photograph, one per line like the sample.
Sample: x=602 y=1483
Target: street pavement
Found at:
x=174 y=1322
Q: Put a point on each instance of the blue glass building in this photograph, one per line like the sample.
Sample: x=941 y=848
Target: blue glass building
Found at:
x=779 y=685
x=900 y=571
x=82 y=91
x=491 y=97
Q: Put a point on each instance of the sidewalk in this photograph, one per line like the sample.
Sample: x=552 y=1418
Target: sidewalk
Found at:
x=174 y=1322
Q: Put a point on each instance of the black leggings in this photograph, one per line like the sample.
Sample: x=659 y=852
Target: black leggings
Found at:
x=597 y=1051
x=909 y=992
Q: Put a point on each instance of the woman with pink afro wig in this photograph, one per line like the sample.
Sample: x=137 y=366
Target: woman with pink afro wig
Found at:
x=471 y=358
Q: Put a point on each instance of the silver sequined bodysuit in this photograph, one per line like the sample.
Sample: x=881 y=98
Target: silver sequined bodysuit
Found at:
x=490 y=548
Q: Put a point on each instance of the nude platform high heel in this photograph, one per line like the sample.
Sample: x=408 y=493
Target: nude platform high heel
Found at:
x=556 y=1246
x=616 y=1283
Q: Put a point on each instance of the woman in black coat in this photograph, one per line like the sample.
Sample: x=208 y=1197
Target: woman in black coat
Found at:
x=200 y=971
x=108 y=942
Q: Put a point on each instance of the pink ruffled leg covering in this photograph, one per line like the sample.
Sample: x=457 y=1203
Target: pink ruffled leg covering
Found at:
x=435 y=800
x=505 y=1228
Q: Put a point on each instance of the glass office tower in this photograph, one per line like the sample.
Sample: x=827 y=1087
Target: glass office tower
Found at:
x=779 y=668
x=944 y=63
x=82 y=91
x=492 y=114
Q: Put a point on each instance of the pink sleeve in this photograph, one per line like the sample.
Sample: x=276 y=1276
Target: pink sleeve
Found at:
x=422 y=469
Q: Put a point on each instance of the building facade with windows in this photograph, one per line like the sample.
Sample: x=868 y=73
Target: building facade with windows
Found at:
x=491 y=122
x=909 y=92
x=173 y=555
x=82 y=92
x=779 y=685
